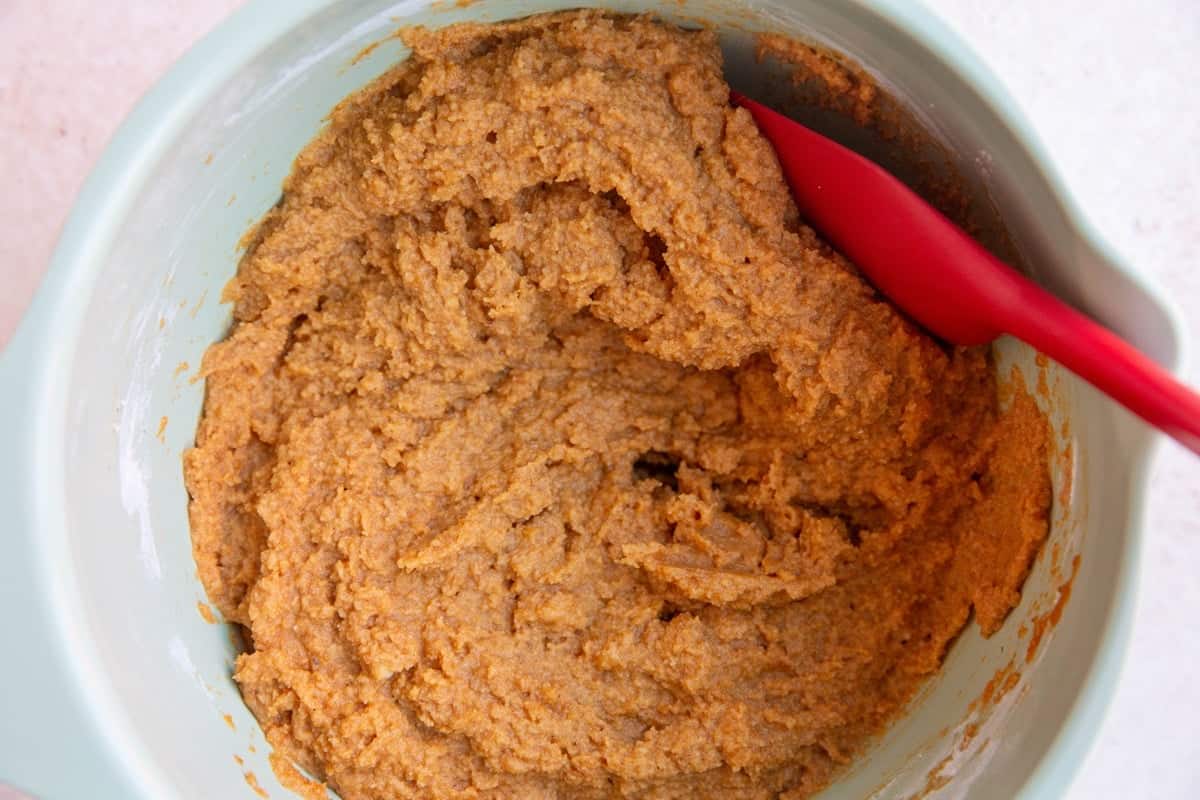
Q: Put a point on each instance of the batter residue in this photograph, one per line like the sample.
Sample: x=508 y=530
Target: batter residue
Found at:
x=552 y=456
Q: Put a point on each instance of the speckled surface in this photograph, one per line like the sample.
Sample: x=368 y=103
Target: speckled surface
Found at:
x=1111 y=91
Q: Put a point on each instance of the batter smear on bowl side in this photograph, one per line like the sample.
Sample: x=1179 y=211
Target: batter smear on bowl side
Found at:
x=552 y=456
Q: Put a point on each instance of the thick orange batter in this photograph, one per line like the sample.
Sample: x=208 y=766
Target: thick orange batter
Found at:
x=552 y=456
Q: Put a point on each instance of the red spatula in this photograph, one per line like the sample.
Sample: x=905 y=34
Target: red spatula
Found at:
x=947 y=282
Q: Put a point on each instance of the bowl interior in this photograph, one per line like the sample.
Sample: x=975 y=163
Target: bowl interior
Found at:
x=148 y=304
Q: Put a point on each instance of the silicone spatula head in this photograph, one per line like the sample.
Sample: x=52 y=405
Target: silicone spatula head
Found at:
x=942 y=278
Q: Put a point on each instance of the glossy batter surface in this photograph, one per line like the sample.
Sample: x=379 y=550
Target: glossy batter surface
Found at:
x=551 y=456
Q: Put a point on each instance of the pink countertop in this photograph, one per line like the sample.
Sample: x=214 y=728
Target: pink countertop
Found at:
x=69 y=72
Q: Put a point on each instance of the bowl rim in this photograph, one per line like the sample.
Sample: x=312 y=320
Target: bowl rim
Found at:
x=33 y=372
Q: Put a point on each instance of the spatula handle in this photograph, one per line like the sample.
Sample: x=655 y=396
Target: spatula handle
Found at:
x=1104 y=360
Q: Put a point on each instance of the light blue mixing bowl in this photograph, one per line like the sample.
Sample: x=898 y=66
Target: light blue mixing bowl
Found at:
x=111 y=683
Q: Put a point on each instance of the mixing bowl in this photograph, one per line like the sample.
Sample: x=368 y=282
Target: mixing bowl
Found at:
x=112 y=682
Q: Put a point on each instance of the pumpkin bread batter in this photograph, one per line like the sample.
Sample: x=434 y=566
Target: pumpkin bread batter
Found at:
x=552 y=456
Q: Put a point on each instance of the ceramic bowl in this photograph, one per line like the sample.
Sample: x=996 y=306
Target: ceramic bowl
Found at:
x=113 y=685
